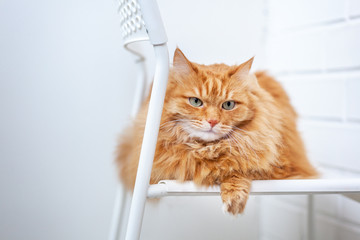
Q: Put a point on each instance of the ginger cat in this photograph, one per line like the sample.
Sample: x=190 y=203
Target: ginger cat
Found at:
x=220 y=125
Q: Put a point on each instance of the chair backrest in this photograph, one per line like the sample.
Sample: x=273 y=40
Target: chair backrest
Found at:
x=132 y=22
x=137 y=17
x=140 y=21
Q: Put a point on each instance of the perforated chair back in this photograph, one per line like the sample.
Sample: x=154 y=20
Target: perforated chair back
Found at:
x=141 y=21
x=132 y=24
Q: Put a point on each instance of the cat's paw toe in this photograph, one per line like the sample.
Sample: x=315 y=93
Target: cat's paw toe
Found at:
x=225 y=207
x=235 y=202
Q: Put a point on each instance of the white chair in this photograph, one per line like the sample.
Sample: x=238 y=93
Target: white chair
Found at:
x=140 y=20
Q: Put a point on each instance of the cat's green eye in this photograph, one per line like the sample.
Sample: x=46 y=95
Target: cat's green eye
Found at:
x=228 y=105
x=195 y=102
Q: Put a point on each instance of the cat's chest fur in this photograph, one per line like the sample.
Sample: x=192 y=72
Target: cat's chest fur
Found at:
x=204 y=163
x=209 y=152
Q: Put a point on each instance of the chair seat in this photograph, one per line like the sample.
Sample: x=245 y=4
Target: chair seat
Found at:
x=262 y=187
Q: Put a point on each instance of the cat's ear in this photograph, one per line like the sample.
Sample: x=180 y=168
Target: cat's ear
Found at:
x=181 y=63
x=242 y=72
x=244 y=68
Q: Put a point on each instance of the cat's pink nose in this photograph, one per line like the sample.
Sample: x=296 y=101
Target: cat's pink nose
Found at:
x=213 y=122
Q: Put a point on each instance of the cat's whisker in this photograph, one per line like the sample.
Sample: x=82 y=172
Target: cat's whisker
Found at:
x=237 y=143
x=229 y=145
x=194 y=127
x=248 y=145
x=223 y=129
x=235 y=137
x=195 y=120
x=239 y=135
x=232 y=142
x=244 y=131
x=172 y=121
x=181 y=130
x=169 y=123
x=197 y=125
x=240 y=148
x=227 y=127
x=227 y=138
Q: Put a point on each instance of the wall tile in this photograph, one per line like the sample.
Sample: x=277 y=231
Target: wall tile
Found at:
x=328 y=204
x=350 y=210
x=289 y=223
x=296 y=52
x=325 y=228
x=291 y=14
x=342 y=49
x=354 y=8
x=353 y=98
x=333 y=144
x=320 y=97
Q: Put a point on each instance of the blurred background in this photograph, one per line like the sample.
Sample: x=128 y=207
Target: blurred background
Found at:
x=66 y=89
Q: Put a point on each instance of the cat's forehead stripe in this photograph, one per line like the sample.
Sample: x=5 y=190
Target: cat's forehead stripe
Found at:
x=197 y=92
x=213 y=87
x=202 y=90
x=224 y=92
x=217 y=88
x=210 y=85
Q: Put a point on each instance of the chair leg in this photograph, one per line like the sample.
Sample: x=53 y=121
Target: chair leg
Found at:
x=118 y=213
x=310 y=218
x=149 y=142
x=125 y=215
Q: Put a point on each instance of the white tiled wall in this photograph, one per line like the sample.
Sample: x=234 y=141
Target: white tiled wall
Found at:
x=313 y=48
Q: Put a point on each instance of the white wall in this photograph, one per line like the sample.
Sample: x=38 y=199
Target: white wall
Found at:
x=208 y=32
x=313 y=49
x=63 y=100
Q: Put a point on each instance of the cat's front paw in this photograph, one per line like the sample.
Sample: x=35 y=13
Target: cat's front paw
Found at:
x=235 y=195
x=235 y=202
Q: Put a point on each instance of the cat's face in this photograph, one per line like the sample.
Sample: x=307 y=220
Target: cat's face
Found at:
x=209 y=102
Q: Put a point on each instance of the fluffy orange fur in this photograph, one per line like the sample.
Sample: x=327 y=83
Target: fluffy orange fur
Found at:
x=202 y=140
